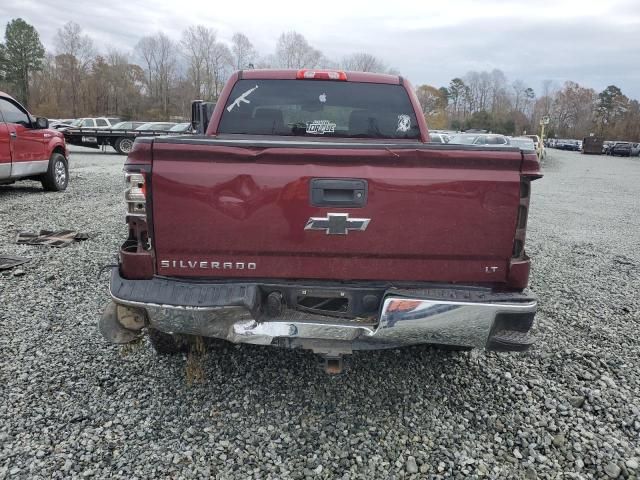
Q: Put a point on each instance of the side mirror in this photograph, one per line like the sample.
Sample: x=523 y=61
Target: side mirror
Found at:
x=42 y=122
x=200 y=115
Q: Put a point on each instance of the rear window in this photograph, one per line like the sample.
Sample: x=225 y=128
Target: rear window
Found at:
x=319 y=108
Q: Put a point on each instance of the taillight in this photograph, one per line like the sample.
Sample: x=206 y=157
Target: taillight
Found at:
x=135 y=194
x=136 y=259
x=521 y=222
x=305 y=74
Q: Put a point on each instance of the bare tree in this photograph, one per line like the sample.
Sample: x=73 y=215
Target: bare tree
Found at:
x=197 y=43
x=217 y=66
x=244 y=54
x=78 y=52
x=165 y=67
x=146 y=50
x=364 y=62
x=573 y=109
x=498 y=97
x=159 y=54
x=293 y=51
x=518 y=87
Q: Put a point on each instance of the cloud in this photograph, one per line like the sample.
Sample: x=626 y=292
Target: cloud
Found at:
x=593 y=43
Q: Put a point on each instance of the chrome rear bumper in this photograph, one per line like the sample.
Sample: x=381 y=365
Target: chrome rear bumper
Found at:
x=403 y=320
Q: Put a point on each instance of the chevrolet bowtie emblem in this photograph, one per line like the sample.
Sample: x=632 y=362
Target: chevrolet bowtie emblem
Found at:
x=337 y=223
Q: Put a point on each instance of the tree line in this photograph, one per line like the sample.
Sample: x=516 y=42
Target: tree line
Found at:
x=486 y=100
x=161 y=75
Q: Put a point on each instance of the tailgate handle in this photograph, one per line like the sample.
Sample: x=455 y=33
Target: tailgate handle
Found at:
x=338 y=192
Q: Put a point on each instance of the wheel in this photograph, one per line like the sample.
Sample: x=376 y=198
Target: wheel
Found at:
x=167 y=344
x=57 y=177
x=124 y=145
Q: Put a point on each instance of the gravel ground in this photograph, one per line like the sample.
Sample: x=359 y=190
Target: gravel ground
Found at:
x=73 y=406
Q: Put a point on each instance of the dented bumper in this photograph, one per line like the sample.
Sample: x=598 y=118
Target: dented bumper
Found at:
x=460 y=316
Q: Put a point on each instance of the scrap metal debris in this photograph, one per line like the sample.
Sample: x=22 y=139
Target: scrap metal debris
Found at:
x=58 y=238
x=8 y=261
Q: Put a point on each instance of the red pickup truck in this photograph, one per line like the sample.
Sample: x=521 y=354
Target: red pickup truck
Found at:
x=314 y=213
x=29 y=149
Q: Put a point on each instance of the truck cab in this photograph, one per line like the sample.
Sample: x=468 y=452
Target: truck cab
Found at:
x=29 y=149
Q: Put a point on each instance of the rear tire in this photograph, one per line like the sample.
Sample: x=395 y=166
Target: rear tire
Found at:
x=57 y=177
x=124 y=145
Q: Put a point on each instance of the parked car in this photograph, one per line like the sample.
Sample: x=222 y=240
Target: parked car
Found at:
x=280 y=224
x=523 y=143
x=181 y=128
x=127 y=125
x=29 y=149
x=438 y=137
x=157 y=126
x=571 y=145
x=479 y=139
x=99 y=122
x=635 y=149
x=622 y=149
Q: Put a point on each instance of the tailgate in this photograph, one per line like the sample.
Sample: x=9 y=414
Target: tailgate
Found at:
x=394 y=212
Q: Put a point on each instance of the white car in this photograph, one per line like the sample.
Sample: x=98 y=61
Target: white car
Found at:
x=97 y=122
x=157 y=126
x=438 y=137
x=487 y=139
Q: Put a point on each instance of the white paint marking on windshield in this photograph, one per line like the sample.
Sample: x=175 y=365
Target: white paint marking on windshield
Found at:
x=404 y=123
x=242 y=99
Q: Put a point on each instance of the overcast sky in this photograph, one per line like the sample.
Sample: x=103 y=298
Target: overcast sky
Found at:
x=596 y=43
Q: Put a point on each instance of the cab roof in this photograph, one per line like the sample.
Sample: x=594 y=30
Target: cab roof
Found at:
x=290 y=74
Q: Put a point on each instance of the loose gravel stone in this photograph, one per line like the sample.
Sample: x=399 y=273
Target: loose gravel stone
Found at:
x=70 y=404
x=612 y=470
x=412 y=466
x=559 y=440
x=577 y=401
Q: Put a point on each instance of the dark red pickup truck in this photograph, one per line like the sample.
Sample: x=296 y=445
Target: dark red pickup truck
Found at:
x=314 y=213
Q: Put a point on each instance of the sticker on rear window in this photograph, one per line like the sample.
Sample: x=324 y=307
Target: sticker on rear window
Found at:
x=320 y=127
x=241 y=99
x=323 y=98
x=404 y=123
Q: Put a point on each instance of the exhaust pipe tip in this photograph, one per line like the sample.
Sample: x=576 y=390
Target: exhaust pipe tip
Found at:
x=111 y=328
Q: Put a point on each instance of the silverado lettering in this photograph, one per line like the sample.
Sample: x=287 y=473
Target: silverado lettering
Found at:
x=207 y=264
x=367 y=235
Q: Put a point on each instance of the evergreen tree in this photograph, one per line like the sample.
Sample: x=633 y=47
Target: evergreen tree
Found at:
x=20 y=56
